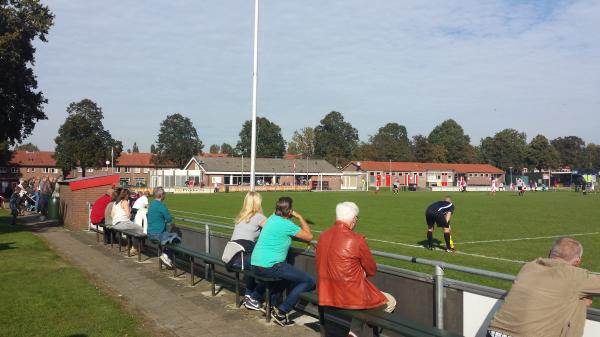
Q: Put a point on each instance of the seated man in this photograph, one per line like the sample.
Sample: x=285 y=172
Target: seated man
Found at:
x=269 y=260
x=97 y=214
x=549 y=297
x=158 y=218
x=344 y=264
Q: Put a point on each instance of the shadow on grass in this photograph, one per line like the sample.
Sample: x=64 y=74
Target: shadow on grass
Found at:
x=6 y=245
x=27 y=223
x=435 y=243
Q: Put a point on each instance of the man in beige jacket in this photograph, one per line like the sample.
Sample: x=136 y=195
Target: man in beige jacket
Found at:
x=549 y=297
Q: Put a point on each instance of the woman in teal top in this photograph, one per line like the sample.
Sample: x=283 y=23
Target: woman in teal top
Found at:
x=269 y=259
x=158 y=218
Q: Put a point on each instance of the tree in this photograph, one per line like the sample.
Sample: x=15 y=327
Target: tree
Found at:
x=506 y=149
x=335 y=139
x=425 y=152
x=27 y=147
x=570 y=150
x=82 y=140
x=303 y=142
x=178 y=140
x=214 y=148
x=21 y=106
x=591 y=157
x=135 y=148
x=541 y=154
x=269 y=142
x=152 y=148
x=227 y=149
x=451 y=135
x=391 y=143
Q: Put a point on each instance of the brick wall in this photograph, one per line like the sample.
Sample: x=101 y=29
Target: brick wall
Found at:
x=73 y=211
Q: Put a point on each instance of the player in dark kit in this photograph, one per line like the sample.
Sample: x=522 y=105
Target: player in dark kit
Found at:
x=440 y=213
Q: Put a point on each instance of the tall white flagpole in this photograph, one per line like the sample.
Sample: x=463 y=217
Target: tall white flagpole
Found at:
x=254 y=75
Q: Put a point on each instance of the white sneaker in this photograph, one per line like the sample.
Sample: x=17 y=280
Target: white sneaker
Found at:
x=165 y=259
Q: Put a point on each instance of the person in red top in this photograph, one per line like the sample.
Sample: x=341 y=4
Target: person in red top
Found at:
x=344 y=264
x=97 y=214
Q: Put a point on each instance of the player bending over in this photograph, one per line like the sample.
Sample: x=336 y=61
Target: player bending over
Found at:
x=440 y=213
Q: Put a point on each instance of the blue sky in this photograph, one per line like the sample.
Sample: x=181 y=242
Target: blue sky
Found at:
x=529 y=65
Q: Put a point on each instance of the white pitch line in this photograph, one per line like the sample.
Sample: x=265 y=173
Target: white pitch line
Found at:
x=523 y=239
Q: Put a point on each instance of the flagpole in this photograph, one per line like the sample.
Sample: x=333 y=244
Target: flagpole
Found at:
x=254 y=79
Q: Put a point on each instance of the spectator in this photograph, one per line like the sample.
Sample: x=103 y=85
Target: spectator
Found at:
x=344 y=264
x=158 y=219
x=121 y=214
x=14 y=202
x=140 y=210
x=108 y=238
x=248 y=225
x=45 y=192
x=99 y=206
x=549 y=297
x=269 y=259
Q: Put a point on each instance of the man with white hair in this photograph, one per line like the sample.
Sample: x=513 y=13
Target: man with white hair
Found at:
x=344 y=264
x=549 y=297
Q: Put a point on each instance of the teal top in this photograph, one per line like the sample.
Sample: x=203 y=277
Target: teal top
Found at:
x=274 y=241
x=158 y=217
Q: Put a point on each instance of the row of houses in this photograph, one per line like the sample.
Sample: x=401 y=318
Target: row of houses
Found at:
x=204 y=173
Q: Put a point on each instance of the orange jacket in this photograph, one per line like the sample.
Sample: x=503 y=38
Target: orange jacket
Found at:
x=344 y=262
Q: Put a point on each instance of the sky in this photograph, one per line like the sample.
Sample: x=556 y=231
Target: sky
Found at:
x=529 y=65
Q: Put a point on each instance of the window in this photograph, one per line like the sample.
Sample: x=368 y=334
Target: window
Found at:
x=47 y=169
x=14 y=170
x=127 y=169
x=3 y=170
x=420 y=174
x=117 y=170
x=124 y=181
x=78 y=169
x=33 y=169
x=140 y=182
x=90 y=170
x=137 y=170
x=146 y=170
x=54 y=170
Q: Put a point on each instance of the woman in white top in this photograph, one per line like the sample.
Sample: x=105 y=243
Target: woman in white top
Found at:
x=121 y=215
x=247 y=228
x=141 y=209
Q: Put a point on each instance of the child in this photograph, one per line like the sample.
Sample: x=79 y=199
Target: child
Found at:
x=15 y=199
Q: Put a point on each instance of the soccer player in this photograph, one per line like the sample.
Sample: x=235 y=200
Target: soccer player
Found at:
x=440 y=213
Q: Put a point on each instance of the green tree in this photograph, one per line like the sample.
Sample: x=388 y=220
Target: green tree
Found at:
x=303 y=142
x=21 y=106
x=5 y=153
x=214 y=148
x=335 y=139
x=506 y=149
x=152 y=148
x=451 y=135
x=82 y=140
x=135 y=148
x=570 y=150
x=541 y=154
x=391 y=143
x=178 y=140
x=425 y=152
x=227 y=149
x=269 y=142
x=591 y=157
x=27 y=147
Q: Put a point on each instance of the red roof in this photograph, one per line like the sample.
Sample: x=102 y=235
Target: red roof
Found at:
x=421 y=167
x=139 y=159
x=35 y=158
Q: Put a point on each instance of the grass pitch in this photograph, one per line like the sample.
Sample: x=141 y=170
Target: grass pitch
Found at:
x=496 y=233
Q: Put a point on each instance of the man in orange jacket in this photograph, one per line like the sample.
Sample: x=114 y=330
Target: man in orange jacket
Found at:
x=344 y=264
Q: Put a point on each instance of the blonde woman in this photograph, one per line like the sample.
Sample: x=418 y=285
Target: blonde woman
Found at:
x=248 y=225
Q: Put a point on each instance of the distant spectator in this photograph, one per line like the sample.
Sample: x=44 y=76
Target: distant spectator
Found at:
x=121 y=214
x=248 y=225
x=344 y=264
x=99 y=206
x=158 y=219
x=549 y=297
x=270 y=254
x=45 y=193
x=14 y=202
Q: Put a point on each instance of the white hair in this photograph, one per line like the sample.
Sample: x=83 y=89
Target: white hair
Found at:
x=346 y=211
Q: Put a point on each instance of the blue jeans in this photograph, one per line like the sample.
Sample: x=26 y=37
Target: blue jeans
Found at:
x=249 y=281
x=290 y=276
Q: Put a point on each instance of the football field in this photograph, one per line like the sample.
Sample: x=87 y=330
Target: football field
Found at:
x=495 y=233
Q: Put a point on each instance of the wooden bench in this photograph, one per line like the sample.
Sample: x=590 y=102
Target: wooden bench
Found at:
x=129 y=234
x=213 y=261
x=402 y=325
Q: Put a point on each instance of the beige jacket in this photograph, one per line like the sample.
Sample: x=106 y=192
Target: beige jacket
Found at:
x=547 y=299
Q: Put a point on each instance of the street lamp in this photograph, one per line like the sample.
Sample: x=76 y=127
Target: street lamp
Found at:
x=511 y=180
x=107 y=163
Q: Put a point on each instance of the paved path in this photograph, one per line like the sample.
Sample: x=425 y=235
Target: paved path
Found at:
x=168 y=305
